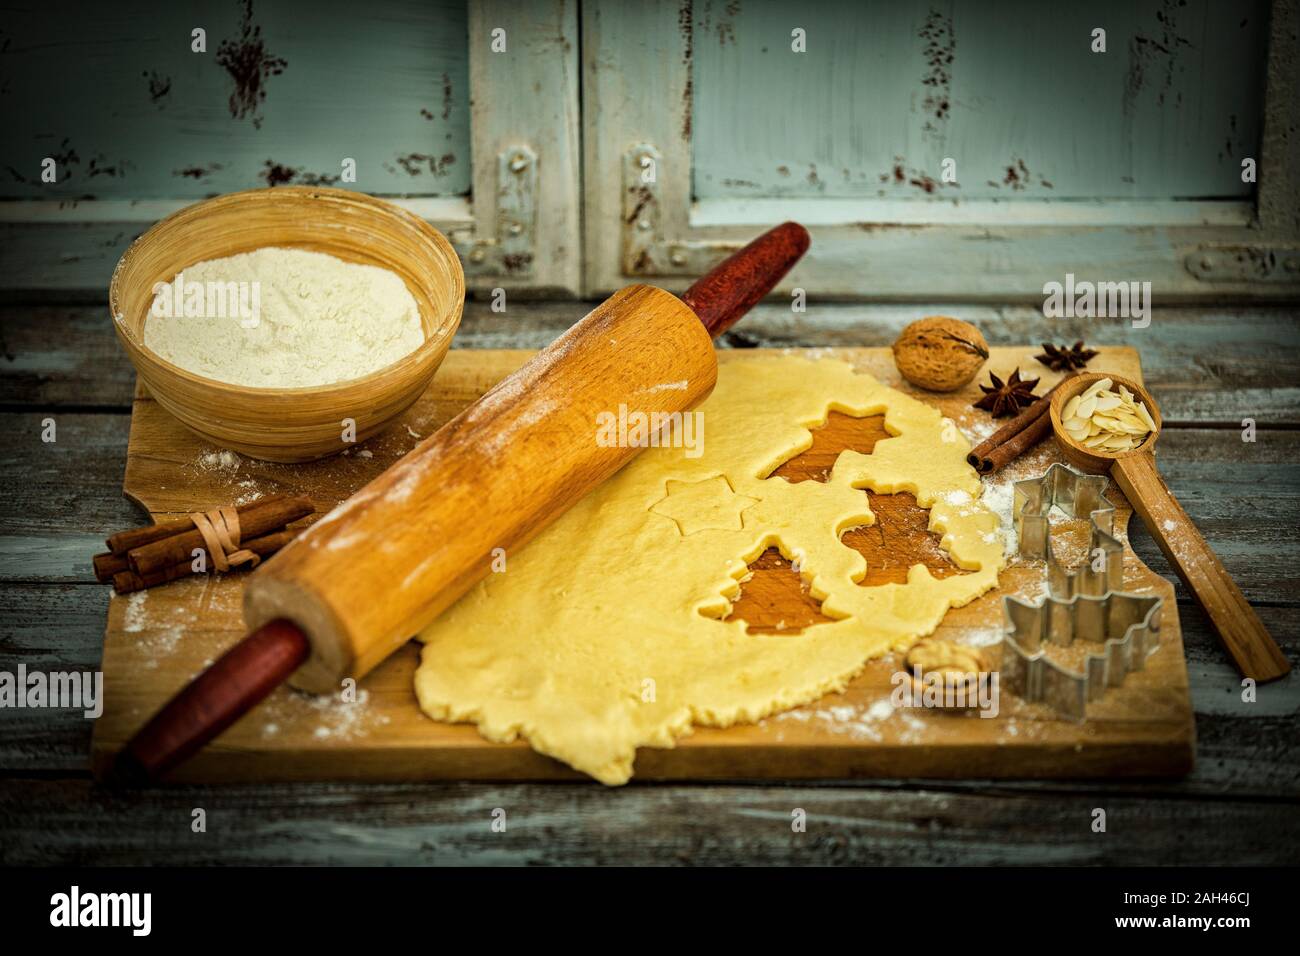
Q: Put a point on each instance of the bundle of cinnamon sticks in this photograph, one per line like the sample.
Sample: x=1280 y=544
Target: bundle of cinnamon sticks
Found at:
x=1011 y=440
x=158 y=553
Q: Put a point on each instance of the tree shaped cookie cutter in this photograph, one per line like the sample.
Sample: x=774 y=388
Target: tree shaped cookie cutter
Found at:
x=1084 y=604
x=1077 y=495
x=1126 y=625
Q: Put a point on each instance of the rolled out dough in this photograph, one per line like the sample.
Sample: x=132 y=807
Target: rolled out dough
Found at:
x=604 y=634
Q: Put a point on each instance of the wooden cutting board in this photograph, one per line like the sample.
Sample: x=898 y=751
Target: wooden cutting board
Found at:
x=157 y=640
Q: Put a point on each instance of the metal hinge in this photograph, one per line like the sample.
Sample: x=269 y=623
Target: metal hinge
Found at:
x=1245 y=263
x=509 y=251
x=646 y=250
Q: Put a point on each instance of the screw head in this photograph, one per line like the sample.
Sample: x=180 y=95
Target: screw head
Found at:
x=518 y=163
x=1207 y=263
x=476 y=255
x=678 y=258
x=515 y=229
x=643 y=225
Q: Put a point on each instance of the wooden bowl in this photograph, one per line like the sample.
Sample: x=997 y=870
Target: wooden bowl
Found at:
x=1090 y=459
x=290 y=424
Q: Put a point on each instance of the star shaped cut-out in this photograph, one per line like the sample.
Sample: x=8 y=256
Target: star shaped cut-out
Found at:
x=708 y=505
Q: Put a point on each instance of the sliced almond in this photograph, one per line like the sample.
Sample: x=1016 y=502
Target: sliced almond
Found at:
x=1106 y=420
x=1098 y=386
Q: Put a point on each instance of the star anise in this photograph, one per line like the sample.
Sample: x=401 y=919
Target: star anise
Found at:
x=1065 y=358
x=1009 y=397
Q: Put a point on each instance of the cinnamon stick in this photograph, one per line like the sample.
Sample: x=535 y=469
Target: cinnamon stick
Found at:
x=115 y=561
x=125 y=541
x=1009 y=451
x=125 y=582
x=108 y=564
x=263 y=518
x=988 y=456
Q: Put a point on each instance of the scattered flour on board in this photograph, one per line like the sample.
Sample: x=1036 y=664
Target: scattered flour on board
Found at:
x=161 y=634
x=985 y=637
x=228 y=464
x=978 y=430
x=218 y=461
x=859 y=721
x=999 y=497
x=333 y=717
x=136 y=616
x=999 y=491
x=250 y=493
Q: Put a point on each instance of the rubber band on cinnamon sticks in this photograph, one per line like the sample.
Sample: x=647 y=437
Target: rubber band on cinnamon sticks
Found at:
x=154 y=548
x=1011 y=440
x=154 y=557
x=127 y=582
x=115 y=560
x=222 y=534
x=125 y=541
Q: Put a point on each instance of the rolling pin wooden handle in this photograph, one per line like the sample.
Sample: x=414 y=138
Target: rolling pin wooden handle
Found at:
x=730 y=289
x=240 y=679
x=1239 y=627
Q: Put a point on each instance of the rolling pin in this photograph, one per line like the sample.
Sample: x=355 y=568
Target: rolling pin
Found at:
x=361 y=581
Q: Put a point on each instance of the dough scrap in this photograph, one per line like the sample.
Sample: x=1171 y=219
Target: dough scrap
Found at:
x=605 y=634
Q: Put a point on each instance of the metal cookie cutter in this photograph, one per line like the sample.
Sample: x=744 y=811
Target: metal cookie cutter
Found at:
x=1084 y=604
x=1126 y=625
x=1077 y=495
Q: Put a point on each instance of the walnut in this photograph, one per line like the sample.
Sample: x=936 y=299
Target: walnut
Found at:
x=940 y=353
x=956 y=665
x=933 y=654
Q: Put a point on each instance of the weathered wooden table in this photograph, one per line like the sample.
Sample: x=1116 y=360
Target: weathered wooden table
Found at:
x=1209 y=368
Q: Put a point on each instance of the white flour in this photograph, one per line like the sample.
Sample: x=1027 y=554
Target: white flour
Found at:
x=319 y=320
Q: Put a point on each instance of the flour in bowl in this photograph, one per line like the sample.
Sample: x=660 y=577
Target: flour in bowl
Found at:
x=283 y=318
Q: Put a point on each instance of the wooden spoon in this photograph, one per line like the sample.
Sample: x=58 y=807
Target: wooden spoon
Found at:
x=1239 y=628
